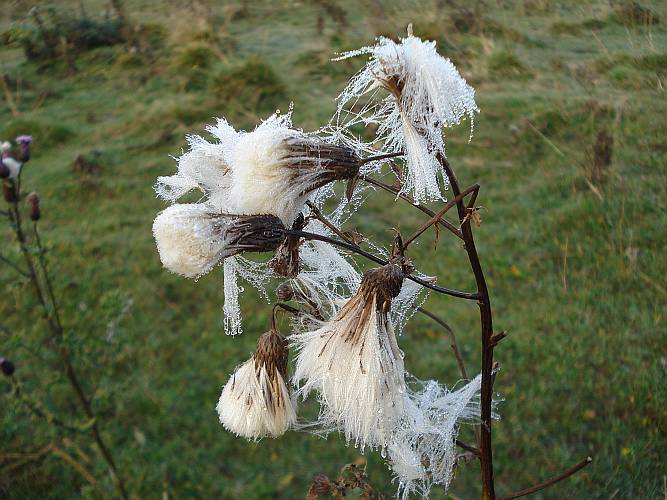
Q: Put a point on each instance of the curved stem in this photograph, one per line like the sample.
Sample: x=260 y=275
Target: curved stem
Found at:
x=382 y=262
x=540 y=486
x=486 y=319
x=452 y=342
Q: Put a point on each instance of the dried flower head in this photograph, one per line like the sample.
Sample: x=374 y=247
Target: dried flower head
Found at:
x=354 y=362
x=423 y=93
x=321 y=485
x=33 y=201
x=256 y=401
x=271 y=170
x=193 y=238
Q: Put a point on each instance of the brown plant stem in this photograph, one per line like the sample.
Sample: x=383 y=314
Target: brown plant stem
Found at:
x=452 y=342
x=55 y=327
x=382 y=262
x=438 y=215
x=486 y=318
x=545 y=484
x=390 y=189
x=14 y=266
x=381 y=157
x=452 y=337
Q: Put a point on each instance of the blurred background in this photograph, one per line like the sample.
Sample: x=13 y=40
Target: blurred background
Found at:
x=569 y=148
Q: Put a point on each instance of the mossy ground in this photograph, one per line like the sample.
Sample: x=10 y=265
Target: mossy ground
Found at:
x=577 y=277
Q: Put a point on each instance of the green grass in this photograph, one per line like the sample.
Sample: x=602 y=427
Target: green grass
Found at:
x=576 y=279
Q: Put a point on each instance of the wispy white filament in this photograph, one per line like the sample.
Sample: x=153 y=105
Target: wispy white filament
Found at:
x=360 y=382
x=423 y=449
x=425 y=94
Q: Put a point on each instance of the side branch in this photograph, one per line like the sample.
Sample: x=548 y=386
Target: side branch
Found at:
x=452 y=342
x=564 y=475
x=382 y=262
x=438 y=216
x=386 y=187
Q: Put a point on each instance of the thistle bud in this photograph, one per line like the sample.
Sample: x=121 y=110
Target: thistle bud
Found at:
x=4 y=170
x=192 y=238
x=7 y=367
x=284 y=292
x=35 y=212
x=9 y=191
x=24 y=147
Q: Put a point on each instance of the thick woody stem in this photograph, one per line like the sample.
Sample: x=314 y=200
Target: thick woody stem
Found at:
x=486 y=318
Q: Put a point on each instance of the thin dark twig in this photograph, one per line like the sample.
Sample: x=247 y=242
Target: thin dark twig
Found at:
x=564 y=475
x=320 y=217
x=452 y=341
x=380 y=157
x=438 y=215
x=284 y=307
x=14 y=266
x=39 y=412
x=467 y=447
x=386 y=187
x=382 y=262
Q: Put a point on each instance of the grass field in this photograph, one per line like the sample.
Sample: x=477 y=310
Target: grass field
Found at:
x=575 y=262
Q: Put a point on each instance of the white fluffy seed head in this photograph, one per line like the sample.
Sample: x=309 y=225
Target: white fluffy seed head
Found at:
x=423 y=92
x=271 y=170
x=354 y=363
x=205 y=167
x=256 y=401
x=189 y=241
x=246 y=406
x=192 y=238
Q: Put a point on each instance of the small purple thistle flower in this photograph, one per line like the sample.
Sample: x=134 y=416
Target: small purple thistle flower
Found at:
x=24 y=143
